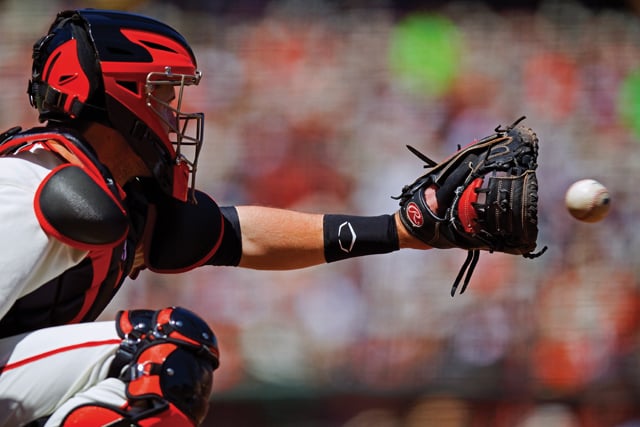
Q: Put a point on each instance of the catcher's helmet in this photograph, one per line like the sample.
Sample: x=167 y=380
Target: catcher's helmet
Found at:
x=104 y=66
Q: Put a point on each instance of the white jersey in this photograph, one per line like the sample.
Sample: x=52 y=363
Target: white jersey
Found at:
x=41 y=370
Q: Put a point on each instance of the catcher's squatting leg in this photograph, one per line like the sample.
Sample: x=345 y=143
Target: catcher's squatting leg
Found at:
x=97 y=373
x=42 y=369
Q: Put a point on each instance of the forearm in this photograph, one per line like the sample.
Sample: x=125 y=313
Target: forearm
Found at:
x=277 y=239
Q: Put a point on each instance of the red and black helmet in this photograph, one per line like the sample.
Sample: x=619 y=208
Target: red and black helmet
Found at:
x=106 y=66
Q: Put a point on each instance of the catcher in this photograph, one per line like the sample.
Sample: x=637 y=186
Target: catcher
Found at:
x=106 y=188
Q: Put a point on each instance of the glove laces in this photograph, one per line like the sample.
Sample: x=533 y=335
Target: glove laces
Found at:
x=466 y=271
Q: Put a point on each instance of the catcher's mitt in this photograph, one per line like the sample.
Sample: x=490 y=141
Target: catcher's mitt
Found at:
x=487 y=197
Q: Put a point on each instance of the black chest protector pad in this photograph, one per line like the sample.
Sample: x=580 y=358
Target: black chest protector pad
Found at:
x=76 y=209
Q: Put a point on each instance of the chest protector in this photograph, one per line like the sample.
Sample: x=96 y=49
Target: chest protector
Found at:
x=80 y=204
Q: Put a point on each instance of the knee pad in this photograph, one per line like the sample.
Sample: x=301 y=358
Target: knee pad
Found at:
x=167 y=356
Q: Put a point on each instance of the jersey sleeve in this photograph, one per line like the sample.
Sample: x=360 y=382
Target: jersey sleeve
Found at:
x=28 y=256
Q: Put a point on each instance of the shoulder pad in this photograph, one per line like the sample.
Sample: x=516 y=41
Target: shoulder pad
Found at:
x=78 y=210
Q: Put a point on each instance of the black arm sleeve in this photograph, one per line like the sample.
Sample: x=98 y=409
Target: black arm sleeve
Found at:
x=184 y=235
x=230 y=250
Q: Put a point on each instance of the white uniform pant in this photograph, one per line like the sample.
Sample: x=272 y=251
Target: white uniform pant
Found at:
x=52 y=370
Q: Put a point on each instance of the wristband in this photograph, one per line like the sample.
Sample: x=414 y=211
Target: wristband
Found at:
x=348 y=236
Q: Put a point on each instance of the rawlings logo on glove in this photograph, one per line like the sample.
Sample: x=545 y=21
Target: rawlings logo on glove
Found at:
x=414 y=215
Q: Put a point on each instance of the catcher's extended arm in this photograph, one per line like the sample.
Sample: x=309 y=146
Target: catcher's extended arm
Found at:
x=487 y=196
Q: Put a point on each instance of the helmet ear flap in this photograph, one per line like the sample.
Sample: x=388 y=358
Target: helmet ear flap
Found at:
x=66 y=81
x=90 y=64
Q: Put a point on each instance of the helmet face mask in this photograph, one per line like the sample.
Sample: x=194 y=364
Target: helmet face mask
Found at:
x=185 y=130
x=106 y=66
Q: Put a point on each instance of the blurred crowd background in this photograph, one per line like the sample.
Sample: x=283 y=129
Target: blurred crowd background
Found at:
x=309 y=106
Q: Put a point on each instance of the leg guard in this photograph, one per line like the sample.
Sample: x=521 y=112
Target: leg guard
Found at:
x=94 y=415
x=167 y=359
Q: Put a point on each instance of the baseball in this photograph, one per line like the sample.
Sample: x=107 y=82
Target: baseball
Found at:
x=588 y=200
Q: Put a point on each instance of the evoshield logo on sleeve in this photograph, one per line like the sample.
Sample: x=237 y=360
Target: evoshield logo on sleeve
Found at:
x=346 y=237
